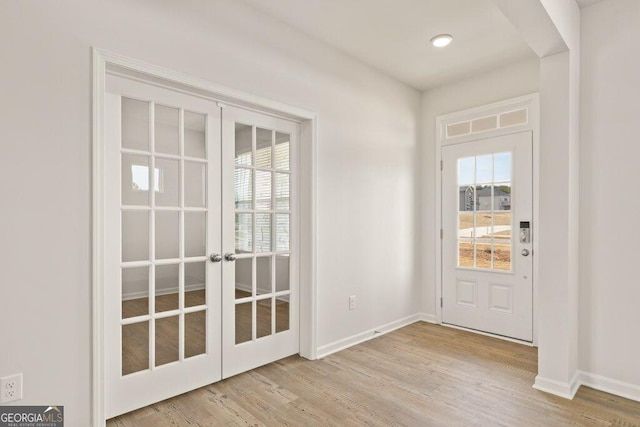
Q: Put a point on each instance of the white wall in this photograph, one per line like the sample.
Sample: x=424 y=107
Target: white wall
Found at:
x=506 y=82
x=367 y=168
x=609 y=206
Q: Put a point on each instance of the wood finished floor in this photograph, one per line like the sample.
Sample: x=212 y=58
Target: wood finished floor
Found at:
x=420 y=375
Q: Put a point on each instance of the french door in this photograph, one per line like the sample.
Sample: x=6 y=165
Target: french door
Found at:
x=200 y=267
x=487 y=282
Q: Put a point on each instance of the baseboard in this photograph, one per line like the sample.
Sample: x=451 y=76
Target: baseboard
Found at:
x=344 y=343
x=429 y=318
x=609 y=385
x=566 y=390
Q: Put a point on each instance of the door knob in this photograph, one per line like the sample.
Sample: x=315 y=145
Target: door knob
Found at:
x=525 y=252
x=215 y=257
x=230 y=256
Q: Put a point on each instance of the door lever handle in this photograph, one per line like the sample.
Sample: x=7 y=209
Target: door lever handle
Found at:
x=229 y=256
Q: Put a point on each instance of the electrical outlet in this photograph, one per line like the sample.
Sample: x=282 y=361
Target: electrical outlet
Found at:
x=352 y=302
x=10 y=388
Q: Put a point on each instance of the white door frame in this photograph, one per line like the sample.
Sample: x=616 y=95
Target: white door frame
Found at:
x=466 y=133
x=108 y=62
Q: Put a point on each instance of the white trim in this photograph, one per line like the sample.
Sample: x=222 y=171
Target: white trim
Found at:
x=532 y=103
x=103 y=60
x=567 y=390
x=345 y=343
x=609 y=385
x=98 y=372
x=429 y=318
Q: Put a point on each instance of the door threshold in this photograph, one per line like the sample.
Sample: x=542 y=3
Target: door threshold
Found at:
x=488 y=334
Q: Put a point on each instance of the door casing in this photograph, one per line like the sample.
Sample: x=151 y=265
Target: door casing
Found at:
x=105 y=62
x=529 y=102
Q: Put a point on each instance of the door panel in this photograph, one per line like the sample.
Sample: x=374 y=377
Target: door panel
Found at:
x=162 y=217
x=487 y=281
x=260 y=290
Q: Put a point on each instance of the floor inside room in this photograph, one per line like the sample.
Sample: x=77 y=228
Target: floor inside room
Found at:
x=422 y=374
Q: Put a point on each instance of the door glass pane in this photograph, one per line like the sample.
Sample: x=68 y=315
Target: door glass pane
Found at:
x=484 y=169
x=167 y=332
x=282 y=273
x=484 y=211
x=195 y=230
x=167 y=287
x=135 y=124
x=244 y=277
x=167 y=130
x=263 y=275
x=244 y=322
x=466 y=171
x=195 y=333
x=135 y=292
x=502 y=255
x=244 y=153
x=135 y=236
x=263 y=232
x=244 y=233
x=263 y=190
x=135 y=347
x=465 y=253
x=167 y=234
x=502 y=197
x=282 y=154
x=243 y=188
x=135 y=180
x=263 y=317
x=263 y=148
x=167 y=186
x=502 y=167
x=194 y=284
x=282 y=191
x=195 y=188
x=483 y=253
x=195 y=135
x=282 y=232
x=282 y=313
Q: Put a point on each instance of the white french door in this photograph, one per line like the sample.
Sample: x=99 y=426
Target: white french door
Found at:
x=487 y=210
x=260 y=307
x=200 y=266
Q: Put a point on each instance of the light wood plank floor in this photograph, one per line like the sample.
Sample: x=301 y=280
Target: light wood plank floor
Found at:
x=420 y=375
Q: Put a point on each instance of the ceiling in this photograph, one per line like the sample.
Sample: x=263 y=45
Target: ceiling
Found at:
x=393 y=35
x=585 y=3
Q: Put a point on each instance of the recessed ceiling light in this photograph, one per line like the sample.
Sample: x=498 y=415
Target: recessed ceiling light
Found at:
x=441 y=40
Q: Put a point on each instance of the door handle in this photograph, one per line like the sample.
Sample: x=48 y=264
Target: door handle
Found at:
x=215 y=257
x=229 y=256
x=525 y=252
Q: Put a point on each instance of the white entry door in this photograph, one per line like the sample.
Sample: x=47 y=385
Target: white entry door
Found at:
x=200 y=260
x=260 y=286
x=487 y=282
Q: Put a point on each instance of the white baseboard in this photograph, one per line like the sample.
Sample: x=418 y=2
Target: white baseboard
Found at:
x=429 y=318
x=344 y=343
x=609 y=385
x=566 y=390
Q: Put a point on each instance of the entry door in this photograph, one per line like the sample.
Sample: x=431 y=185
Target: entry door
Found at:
x=260 y=309
x=162 y=219
x=487 y=235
